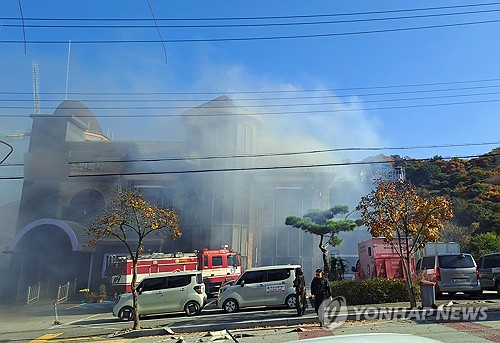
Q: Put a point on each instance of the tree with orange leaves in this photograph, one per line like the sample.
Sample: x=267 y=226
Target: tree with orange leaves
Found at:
x=395 y=211
x=130 y=219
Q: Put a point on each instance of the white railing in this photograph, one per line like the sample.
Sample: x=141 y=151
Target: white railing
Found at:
x=62 y=293
x=33 y=293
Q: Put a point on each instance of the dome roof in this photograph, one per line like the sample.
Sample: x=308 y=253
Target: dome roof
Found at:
x=75 y=108
x=222 y=107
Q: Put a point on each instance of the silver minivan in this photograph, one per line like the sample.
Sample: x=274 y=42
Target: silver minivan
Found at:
x=165 y=293
x=262 y=286
x=452 y=272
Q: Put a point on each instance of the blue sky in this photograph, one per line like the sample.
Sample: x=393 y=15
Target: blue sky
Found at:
x=341 y=63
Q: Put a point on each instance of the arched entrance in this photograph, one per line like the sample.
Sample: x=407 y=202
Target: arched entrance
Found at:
x=47 y=251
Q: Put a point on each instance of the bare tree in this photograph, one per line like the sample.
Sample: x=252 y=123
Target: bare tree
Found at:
x=452 y=232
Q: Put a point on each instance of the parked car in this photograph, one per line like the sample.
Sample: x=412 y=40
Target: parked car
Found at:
x=489 y=271
x=350 y=262
x=262 y=286
x=452 y=272
x=165 y=293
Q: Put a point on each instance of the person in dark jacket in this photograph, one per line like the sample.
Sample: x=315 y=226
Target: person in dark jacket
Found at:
x=300 y=291
x=320 y=290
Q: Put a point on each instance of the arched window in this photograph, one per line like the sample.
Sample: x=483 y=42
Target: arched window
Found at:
x=85 y=205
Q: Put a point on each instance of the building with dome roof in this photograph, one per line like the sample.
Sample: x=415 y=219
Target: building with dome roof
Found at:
x=71 y=168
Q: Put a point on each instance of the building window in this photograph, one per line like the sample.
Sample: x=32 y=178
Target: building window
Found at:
x=268 y=213
x=228 y=211
x=74 y=133
x=244 y=139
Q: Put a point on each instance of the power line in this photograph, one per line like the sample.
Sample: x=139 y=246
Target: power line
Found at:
x=283 y=167
x=128 y=99
x=313 y=152
x=233 y=114
x=309 y=166
x=239 y=25
x=262 y=17
x=263 y=99
x=287 y=91
x=254 y=38
x=307 y=152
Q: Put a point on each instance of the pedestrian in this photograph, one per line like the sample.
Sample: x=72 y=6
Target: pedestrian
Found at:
x=300 y=291
x=320 y=291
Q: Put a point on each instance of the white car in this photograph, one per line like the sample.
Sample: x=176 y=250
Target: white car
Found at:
x=262 y=286
x=165 y=293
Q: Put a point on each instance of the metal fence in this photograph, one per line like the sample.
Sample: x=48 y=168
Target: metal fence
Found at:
x=63 y=293
x=34 y=293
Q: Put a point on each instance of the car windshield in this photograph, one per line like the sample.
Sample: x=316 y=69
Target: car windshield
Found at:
x=456 y=261
x=349 y=262
x=228 y=283
x=232 y=260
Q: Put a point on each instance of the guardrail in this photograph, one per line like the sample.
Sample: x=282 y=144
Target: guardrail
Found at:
x=62 y=293
x=33 y=293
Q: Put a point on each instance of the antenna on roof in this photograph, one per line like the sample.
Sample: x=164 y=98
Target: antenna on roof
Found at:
x=67 y=71
x=36 y=100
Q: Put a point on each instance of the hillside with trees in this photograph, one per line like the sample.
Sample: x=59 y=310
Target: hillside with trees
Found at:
x=473 y=186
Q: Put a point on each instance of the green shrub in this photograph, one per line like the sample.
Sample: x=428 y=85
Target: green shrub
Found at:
x=373 y=291
x=102 y=290
x=92 y=297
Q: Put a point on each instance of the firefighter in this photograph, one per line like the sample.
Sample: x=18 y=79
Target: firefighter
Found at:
x=300 y=291
x=320 y=291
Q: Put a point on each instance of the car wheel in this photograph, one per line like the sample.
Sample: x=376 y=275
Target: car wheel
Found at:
x=126 y=313
x=230 y=306
x=192 y=308
x=291 y=301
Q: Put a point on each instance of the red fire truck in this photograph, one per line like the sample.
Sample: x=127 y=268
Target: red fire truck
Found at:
x=216 y=266
x=378 y=258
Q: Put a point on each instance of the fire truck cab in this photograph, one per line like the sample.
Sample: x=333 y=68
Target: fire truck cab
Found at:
x=219 y=266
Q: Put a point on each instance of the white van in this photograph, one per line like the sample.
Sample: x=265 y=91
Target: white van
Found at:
x=164 y=293
x=262 y=286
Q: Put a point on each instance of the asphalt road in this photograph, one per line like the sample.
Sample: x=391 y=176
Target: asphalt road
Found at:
x=28 y=322
x=84 y=322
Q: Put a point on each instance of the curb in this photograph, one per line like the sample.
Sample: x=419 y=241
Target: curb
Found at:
x=245 y=324
x=416 y=314
x=180 y=329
